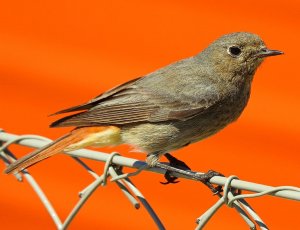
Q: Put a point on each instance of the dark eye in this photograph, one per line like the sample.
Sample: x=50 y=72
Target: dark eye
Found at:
x=234 y=51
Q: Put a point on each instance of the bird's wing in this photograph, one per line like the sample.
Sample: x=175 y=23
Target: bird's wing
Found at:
x=176 y=92
x=130 y=103
x=130 y=111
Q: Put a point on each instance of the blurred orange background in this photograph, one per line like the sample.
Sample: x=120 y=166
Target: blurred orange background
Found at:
x=55 y=54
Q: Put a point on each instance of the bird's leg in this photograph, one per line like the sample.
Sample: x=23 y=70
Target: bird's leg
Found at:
x=153 y=160
x=174 y=162
x=183 y=169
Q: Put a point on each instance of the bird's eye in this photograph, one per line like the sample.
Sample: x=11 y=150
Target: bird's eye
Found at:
x=234 y=51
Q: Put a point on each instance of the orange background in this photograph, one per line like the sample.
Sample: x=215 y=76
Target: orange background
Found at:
x=55 y=54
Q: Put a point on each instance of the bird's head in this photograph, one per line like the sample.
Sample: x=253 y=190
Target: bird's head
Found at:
x=237 y=53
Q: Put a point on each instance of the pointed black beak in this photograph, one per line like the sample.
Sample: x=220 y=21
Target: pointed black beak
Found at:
x=265 y=52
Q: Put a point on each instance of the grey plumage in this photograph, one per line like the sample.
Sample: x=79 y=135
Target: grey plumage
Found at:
x=181 y=103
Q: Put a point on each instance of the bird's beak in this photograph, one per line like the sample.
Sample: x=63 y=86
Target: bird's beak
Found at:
x=265 y=52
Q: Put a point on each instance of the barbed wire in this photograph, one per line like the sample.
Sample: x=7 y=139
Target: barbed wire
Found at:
x=114 y=163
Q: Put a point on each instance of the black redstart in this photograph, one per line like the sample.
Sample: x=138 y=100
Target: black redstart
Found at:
x=168 y=109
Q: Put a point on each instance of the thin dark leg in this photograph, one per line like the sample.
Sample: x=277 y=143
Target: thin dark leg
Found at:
x=174 y=162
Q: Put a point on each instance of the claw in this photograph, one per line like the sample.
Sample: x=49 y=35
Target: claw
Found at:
x=174 y=162
x=204 y=178
x=170 y=179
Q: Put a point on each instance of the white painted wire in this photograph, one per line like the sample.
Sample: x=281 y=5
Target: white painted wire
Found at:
x=130 y=191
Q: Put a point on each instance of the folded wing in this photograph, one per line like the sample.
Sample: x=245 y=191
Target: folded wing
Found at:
x=133 y=103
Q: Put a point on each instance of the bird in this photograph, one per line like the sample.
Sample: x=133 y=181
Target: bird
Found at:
x=168 y=109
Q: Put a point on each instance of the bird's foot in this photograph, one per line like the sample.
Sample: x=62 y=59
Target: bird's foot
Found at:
x=179 y=167
x=174 y=162
x=205 y=179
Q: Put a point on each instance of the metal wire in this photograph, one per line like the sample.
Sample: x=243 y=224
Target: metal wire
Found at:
x=113 y=168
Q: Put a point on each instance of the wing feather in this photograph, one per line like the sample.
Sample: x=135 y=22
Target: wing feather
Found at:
x=147 y=99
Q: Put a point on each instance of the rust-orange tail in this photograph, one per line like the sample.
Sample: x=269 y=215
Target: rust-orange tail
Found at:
x=51 y=149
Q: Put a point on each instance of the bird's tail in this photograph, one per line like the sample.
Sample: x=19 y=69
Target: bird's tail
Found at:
x=71 y=141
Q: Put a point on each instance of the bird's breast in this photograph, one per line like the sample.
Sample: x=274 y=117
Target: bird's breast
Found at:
x=217 y=116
